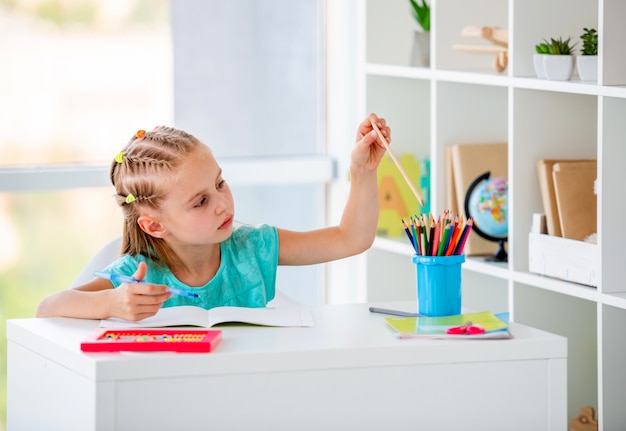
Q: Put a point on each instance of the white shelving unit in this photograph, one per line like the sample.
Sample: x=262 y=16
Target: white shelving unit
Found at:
x=461 y=98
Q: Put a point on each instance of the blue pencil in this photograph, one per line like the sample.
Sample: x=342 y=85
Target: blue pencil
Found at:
x=127 y=279
x=416 y=240
x=408 y=233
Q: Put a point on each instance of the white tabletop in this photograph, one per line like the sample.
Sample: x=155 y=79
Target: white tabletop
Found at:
x=343 y=336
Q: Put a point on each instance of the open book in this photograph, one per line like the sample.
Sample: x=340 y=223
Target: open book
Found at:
x=495 y=326
x=189 y=315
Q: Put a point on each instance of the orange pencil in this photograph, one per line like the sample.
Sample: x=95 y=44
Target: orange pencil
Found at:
x=455 y=239
x=466 y=233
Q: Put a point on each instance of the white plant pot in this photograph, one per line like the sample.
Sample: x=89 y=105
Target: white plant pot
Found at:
x=420 y=49
x=538 y=63
x=587 y=66
x=558 y=67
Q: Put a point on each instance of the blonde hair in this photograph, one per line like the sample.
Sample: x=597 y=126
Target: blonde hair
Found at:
x=141 y=174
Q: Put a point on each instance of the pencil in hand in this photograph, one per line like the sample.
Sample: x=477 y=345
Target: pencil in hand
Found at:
x=397 y=163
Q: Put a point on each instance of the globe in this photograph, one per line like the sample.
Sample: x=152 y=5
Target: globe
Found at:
x=489 y=207
x=487 y=203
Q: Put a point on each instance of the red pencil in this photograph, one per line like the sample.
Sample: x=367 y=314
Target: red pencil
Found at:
x=455 y=239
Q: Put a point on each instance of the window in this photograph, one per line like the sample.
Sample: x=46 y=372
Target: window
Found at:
x=78 y=79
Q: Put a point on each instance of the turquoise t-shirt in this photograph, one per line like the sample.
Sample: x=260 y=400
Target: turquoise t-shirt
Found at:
x=246 y=276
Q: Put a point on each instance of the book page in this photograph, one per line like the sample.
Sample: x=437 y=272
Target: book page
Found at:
x=261 y=316
x=575 y=198
x=189 y=315
x=184 y=315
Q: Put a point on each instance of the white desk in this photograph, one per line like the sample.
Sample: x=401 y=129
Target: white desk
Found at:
x=349 y=372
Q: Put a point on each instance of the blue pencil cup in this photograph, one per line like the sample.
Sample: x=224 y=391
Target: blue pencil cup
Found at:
x=439 y=284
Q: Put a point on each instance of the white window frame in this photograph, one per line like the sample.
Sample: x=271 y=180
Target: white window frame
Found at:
x=316 y=169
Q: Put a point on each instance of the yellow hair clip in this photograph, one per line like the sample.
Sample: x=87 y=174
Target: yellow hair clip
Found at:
x=120 y=157
x=140 y=134
x=130 y=198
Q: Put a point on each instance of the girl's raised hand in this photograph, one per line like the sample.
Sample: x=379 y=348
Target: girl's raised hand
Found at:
x=137 y=301
x=368 y=151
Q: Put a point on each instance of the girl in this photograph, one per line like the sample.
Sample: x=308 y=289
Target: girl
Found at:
x=178 y=232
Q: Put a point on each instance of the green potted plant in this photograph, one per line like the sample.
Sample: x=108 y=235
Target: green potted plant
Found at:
x=420 y=46
x=587 y=60
x=554 y=59
x=421 y=13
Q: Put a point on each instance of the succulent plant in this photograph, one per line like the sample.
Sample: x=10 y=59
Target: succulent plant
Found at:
x=541 y=48
x=590 y=41
x=556 y=46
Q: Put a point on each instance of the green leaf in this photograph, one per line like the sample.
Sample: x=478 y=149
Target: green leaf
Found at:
x=590 y=41
x=421 y=13
x=556 y=46
x=541 y=48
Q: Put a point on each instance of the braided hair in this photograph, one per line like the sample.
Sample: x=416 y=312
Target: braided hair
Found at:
x=141 y=175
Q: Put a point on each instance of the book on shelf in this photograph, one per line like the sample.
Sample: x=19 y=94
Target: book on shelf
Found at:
x=495 y=326
x=464 y=163
x=548 y=197
x=189 y=315
x=545 y=168
x=575 y=198
x=395 y=198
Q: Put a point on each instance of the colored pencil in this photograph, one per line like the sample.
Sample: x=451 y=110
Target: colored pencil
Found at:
x=444 y=236
x=409 y=235
x=463 y=240
x=455 y=239
x=449 y=235
x=435 y=247
x=443 y=241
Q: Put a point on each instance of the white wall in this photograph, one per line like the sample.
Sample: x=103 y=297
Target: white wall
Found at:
x=249 y=82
